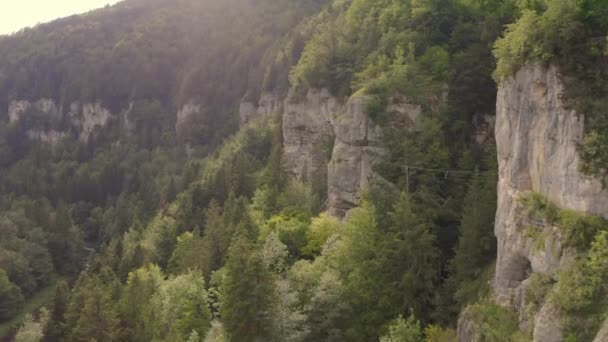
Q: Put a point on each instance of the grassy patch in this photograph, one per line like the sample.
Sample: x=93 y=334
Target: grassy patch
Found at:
x=40 y=299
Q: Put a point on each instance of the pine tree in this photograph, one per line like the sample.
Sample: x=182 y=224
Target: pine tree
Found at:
x=477 y=244
x=55 y=329
x=65 y=242
x=134 y=304
x=92 y=312
x=216 y=239
x=247 y=294
x=412 y=259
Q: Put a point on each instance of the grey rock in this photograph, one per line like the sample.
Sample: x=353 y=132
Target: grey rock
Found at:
x=84 y=118
x=306 y=129
x=268 y=104
x=537 y=139
x=357 y=147
x=547 y=325
x=602 y=335
x=311 y=126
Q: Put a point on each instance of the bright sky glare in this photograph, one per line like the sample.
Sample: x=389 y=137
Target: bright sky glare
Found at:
x=17 y=14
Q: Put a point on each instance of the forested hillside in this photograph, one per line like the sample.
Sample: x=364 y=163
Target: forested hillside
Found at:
x=138 y=184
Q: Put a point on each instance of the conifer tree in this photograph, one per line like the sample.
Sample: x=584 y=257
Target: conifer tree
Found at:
x=55 y=329
x=477 y=244
x=247 y=294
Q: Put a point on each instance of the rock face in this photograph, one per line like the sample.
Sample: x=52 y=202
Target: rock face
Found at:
x=306 y=128
x=356 y=149
x=18 y=110
x=269 y=102
x=537 y=139
x=89 y=117
x=184 y=118
x=324 y=138
x=85 y=118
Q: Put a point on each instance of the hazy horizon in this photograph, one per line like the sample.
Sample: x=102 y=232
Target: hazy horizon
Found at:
x=15 y=16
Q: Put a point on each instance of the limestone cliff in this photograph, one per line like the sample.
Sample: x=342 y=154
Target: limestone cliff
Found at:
x=537 y=139
x=44 y=116
x=267 y=105
x=337 y=141
x=307 y=125
x=357 y=147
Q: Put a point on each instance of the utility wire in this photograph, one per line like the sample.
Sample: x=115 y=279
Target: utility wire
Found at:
x=453 y=171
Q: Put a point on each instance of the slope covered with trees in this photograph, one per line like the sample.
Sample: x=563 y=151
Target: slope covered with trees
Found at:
x=158 y=234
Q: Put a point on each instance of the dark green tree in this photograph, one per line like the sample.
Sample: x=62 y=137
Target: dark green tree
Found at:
x=247 y=294
x=55 y=328
x=11 y=299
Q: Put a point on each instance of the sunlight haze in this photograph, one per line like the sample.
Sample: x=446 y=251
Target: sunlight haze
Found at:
x=15 y=15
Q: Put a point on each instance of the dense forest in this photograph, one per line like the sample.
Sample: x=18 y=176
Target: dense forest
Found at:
x=154 y=225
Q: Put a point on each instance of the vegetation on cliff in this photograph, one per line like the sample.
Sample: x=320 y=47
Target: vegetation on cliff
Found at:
x=197 y=232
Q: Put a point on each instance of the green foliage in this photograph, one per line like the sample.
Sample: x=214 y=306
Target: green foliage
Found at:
x=434 y=333
x=247 y=294
x=179 y=307
x=320 y=230
x=32 y=330
x=476 y=244
x=186 y=255
x=92 y=311
x=56 y=326
x=402 y=330
x=580 y=292
x=11 y=298
x=135 y=307
x=538 y=207
x=577 y=230
x=290 y=229
x=537 y=288
x=494 y=323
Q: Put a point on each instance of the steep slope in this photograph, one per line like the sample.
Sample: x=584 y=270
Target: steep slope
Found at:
x=552 y=209
x=537 y=143
x=201 y=55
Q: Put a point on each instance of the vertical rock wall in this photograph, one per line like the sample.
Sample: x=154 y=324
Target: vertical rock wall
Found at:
x=537 y=139
x=326 y=138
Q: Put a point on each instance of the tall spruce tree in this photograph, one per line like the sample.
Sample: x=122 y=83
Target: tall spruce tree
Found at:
x=247 y=294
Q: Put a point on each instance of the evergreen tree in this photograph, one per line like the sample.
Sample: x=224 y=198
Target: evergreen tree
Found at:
x=65 y=242
x=92 y=312
x=216 y=239
x=412 y=259
x=477 y=244
x=55 y=329
x=247 y=294
x=135 y=305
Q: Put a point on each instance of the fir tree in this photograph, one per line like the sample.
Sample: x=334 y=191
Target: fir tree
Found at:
x=247 y=294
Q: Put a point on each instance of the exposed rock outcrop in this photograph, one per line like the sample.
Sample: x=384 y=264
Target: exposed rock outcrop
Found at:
x=184 y=118
x=18 y=110
x=268 y=104
x=84 y=118
x=306 y=128
x=357 y=147
x=324 y=138
x=88 y=117
x=537 y=139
